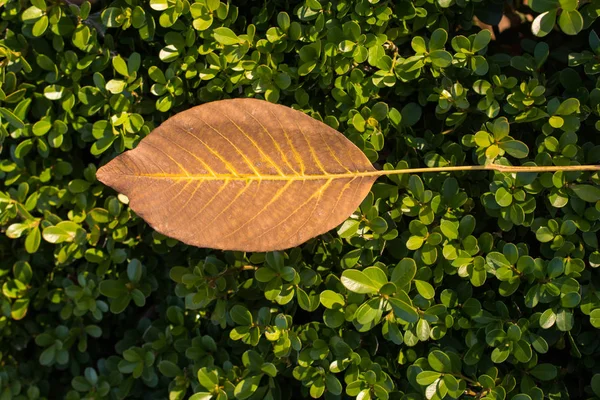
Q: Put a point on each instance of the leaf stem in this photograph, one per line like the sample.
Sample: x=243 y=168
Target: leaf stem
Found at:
x=492 y=167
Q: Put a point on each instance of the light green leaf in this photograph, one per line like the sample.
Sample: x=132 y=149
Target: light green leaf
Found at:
x=425 y=289
x=246 y=387
x=571 y=22
x=357 y=282
x=226 y=36
x=439 y=361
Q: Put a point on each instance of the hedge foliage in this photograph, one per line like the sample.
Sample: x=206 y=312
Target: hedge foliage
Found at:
x=477 y=285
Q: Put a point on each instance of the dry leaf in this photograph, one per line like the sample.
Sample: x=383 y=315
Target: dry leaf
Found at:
x=242 y=174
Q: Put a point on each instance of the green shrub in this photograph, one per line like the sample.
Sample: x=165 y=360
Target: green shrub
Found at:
x=501 y=268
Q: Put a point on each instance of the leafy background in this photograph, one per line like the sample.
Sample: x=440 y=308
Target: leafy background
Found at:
x=477 y=285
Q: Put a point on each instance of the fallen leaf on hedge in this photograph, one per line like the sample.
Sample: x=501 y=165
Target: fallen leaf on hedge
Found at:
x=242 y=174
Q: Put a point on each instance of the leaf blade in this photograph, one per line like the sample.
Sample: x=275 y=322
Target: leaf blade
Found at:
x=242 y=174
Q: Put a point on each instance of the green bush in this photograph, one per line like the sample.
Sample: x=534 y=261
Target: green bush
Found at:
x=499 y=271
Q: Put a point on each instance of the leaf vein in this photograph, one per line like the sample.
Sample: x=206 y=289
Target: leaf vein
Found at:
x=213 y=152
x=237 y=196
x=259 y=149
x=171 y=158
x=223 y=186
x=312 y=151
x=318 y=192
x=273 y=199
x=204 y=164
x=291 y=144
x=241 y=153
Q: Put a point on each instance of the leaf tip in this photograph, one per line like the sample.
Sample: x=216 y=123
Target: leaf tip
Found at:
x=111 y=173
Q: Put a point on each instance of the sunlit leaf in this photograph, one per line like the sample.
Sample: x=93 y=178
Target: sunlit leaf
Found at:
x=242 y=175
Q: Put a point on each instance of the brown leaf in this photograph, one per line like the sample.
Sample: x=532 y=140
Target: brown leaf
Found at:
x=242 y=174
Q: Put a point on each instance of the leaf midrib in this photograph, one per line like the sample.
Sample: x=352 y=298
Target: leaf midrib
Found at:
x=375 y=173
x=249 y=177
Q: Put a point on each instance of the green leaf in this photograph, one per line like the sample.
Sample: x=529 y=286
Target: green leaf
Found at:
x=543 y=5
x=112 y=288
x=32 y=241
x=418 y=44
x=331 y=299
x=440 y=58
x=226 y=36
x=503 y=197
x=380 y=111
x=403 y=311
x=426 y=378
x=587 y=193
x=201 y=396
x=306 y=302
x=547 y=319
x=425 y=289
x=544 y=23
x=414 y=242
x=564 y=320
x=57 y=234
x=571 y=22
x=240 y=315
x=497 y=260
x=501 y=128
x=246 y=387
x=31 y=14
x=333 y=384
x=169 y=369
x=544 y=372
x=357 y=282
x=522 y=351
x=78 y=186
x=515 y=148
x=439 y=361
x=411 y=114
x=544 y=234
x=120 y=66
x=269 y=369
x=568 y=107
x=159 y=5
x=368 y=311
x=595 y=383
x=48 y=356
x=482 y=39
x=483 y=139
x=134 y=270
x=438 y=39
x=595 y=318
x=11 y=118
x=22 y=272
x=404 y=272
x=208 y=378
x=568 y=5
x=283 y=20
x=157 y=75
x=111 y=17
x=40 y=26
x=415 y=184
x=19 y=308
